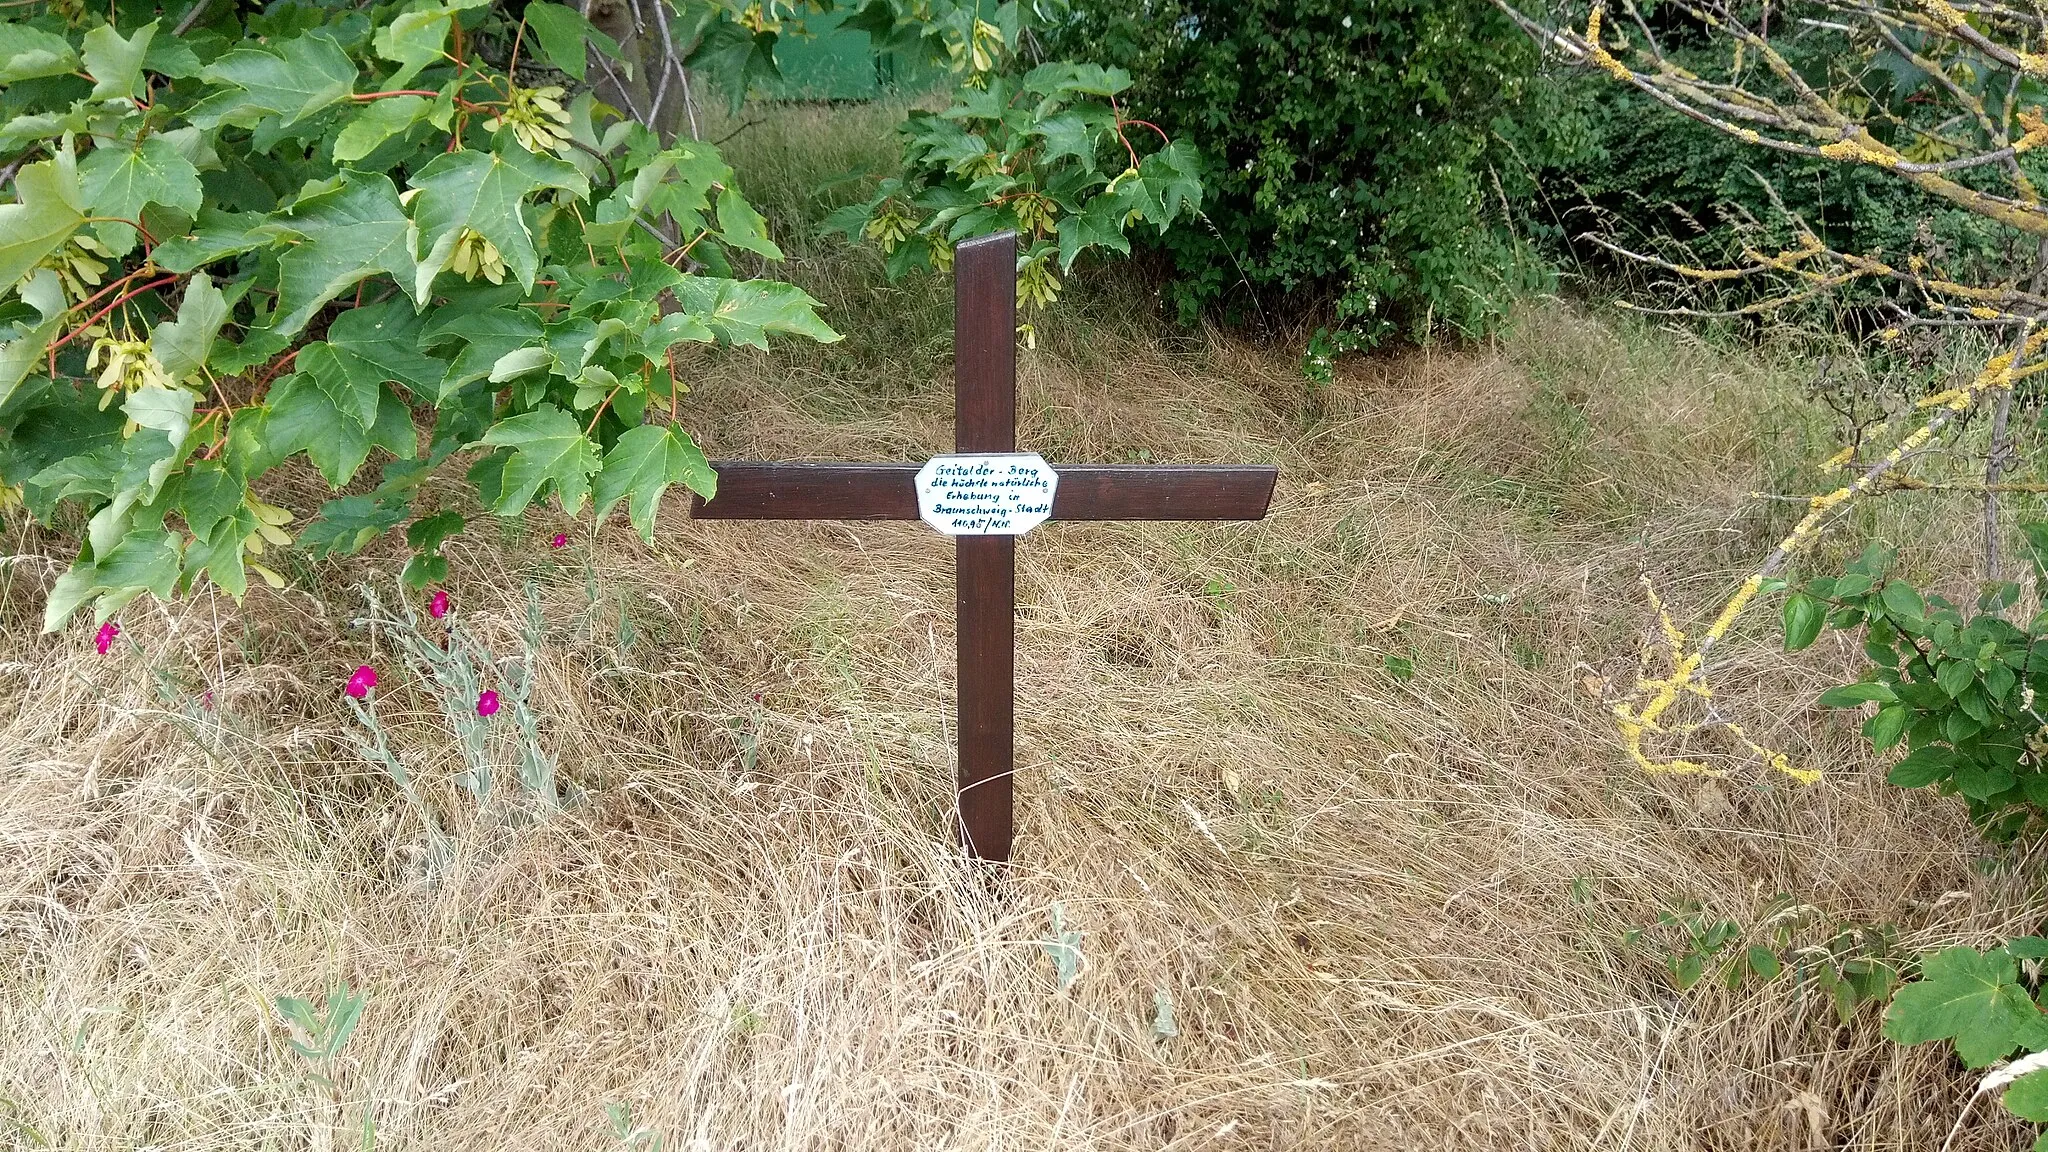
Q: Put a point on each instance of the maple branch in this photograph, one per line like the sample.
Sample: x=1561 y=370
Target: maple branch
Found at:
x=96 y=317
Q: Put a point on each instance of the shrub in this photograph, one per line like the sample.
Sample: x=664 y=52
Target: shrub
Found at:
x=1361 y=157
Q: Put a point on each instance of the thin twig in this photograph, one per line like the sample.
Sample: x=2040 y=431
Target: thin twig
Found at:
x=720 y=142
x=191 y=17
x=1994 y=464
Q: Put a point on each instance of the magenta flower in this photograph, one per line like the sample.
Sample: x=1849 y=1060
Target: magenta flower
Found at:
x=359 y=685
x=105 y=639
x=487 y=704
x=561 y=540
x=438 y=606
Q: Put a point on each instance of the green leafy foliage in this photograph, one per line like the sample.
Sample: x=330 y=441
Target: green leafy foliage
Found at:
x=1363 y=157
x=1844 y=965
x=1973 y=999
x=351 y=242
x=1047 y=155
x=1957 y=691
x=248 y=247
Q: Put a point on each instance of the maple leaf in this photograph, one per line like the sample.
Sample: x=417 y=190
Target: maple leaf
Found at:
x=484 y=192
x=48 y=207
x=1973 y=998
x=548 y=447
x=641 y=466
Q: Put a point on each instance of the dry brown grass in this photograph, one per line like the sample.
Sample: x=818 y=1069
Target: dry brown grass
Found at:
x=1357 y=891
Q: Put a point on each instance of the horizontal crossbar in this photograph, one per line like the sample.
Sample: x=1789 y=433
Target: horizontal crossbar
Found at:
x=754 y=490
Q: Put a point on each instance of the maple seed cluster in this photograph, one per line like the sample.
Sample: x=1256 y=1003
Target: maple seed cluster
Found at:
x=129 y=366
x=79 y=264
x=475 y=255
x=536 y=118
x=890 y=227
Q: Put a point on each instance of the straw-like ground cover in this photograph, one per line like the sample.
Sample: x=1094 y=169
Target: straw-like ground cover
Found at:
x=1384 y=912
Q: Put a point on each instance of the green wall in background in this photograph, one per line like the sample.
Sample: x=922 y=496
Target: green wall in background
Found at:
x=833 y=63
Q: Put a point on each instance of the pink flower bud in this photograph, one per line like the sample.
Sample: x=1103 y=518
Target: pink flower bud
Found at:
x=105 y=639
x=487 y=704
x=359 y=685
x=561 y=540
x=438 y=606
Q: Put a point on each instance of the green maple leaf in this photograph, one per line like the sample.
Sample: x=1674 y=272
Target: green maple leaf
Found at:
x=742 y=227
x=1973 y=999
x=119 y=181
x=58 y=424
x=642 y=464
x=518 y=362
x=219 y=554
x=291 y=82
x=563 y=33
x=1135 y=195
x=344 y=233
x=1063 y=78
x=144 y=561
x=377 y=123
x=182 y=345
x=301 y=416
x=490 y=333
x=205 y=495
x=168 y=410
x=105 y=465
x=172 y=58
x=215 y=507
x=484 y=191
x=428 y=533
x=413 y=39
x=1175 y=171
x=356 y=395
x=347 y=525
x=31 y=127
x=383 y=341
x=744 y=312
x=1101 y=223
x=48 y=207
x=217 y=236
x=114 y=63
x=28 y=53
x=2028 y=1097
x=735 y=59
x=1067 y=134
x=21 y=355
x=672 y=329
x=548 y=447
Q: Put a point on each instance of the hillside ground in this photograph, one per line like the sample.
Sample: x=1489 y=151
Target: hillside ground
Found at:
x=1326 y=840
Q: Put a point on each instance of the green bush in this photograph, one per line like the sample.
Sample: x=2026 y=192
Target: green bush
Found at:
x=1369 y=158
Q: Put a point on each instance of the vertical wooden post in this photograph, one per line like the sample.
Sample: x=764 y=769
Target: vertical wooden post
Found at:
x=985 y=420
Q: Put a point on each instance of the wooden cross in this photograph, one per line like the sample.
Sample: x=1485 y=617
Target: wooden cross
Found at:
x=985 y=420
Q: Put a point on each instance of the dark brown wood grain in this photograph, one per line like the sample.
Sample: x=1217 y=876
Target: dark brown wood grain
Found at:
x=985 y=420
x=756 y=490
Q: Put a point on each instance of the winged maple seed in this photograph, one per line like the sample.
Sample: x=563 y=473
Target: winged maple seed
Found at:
x=537 y=120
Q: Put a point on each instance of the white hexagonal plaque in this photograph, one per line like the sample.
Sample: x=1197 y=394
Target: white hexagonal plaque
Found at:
x=993 y=494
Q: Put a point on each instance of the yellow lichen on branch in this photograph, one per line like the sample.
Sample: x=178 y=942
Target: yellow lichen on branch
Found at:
x=1641 y=713
x=1598 y=55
